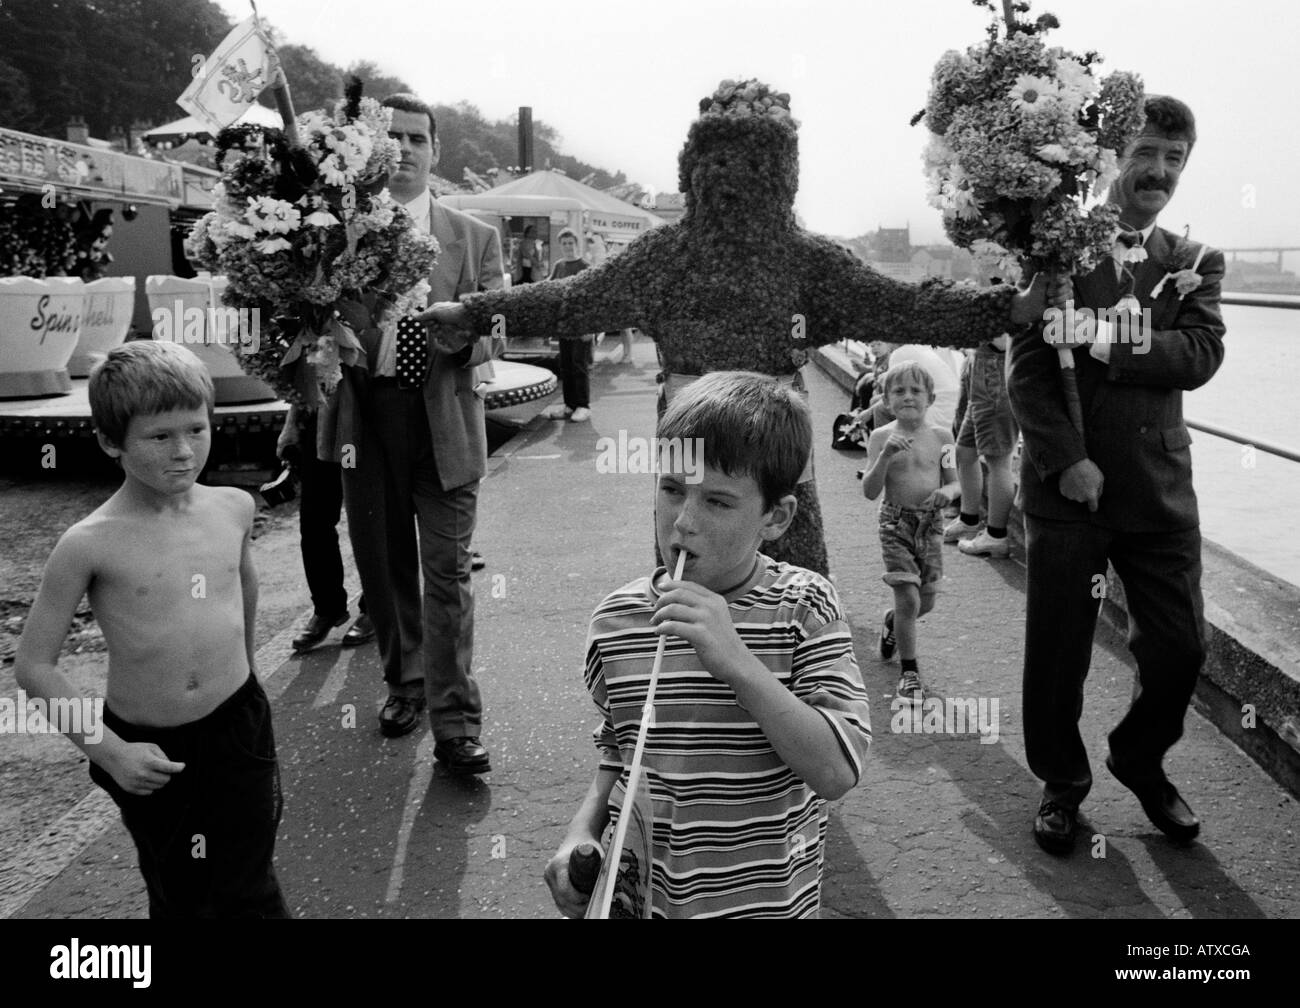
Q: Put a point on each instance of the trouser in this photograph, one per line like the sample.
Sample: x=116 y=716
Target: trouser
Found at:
x=575 y=371
x=321 y=503
x=404 y=524
x=206 y=838
x=1161 y=574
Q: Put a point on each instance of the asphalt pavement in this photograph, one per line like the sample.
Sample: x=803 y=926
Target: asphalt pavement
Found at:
x=938 y=827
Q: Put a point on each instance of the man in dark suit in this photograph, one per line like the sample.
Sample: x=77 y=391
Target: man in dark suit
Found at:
x=418 y=455
x=1121 y=492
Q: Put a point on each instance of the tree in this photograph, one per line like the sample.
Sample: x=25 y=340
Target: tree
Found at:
x=313 y=82
x=71 y=53
x=17 y=111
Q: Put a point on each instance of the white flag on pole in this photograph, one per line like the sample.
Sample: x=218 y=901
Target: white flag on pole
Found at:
x=231 y=78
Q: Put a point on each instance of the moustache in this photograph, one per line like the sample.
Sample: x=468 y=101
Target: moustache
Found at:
x=1150 y=183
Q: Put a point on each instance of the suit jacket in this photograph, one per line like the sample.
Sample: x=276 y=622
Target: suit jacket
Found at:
x=469 y=261
x=1132 y=407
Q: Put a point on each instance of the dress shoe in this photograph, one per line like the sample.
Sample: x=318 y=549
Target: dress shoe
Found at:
x=316 y=630
x=462 y=755
x=1054 y=827
x=1162 y=803
x=400 y=715
x=360 y=632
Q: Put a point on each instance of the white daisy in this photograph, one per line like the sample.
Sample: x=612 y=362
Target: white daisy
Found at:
x=1033 y=94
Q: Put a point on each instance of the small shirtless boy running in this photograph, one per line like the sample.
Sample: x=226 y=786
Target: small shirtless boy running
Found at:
x=186 y=750
x=913 y=462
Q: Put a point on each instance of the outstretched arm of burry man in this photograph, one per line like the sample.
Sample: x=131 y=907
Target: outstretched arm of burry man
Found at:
x=610 y=296
x=844 y=298
x=463 y=348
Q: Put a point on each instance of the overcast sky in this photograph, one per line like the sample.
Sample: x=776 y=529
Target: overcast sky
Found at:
x=621 y=82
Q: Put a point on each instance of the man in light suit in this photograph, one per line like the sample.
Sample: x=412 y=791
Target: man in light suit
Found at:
x=1121 y=492
x=418 y=456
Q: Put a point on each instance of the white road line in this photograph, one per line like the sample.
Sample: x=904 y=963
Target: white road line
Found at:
x=333 y=684
x=25 y=874
x=421 y=776
x=41 y=860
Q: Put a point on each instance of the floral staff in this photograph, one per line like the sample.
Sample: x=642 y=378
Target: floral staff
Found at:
x=737 y=285
x=309 y=236
x=1021 y=135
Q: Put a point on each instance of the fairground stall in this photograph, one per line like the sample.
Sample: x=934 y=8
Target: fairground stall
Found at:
x=87 y=234
x=550 y=202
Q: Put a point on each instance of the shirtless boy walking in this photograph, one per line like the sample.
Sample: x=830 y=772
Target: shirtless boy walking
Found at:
x=187 y=750
x=914 y=464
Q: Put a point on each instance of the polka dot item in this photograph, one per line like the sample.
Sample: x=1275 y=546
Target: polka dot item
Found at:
x=412 y=353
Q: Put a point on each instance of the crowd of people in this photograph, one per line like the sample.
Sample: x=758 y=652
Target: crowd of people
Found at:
x=739 y=801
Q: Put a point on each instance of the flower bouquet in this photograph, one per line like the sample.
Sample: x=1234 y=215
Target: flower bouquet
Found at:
x=1025 y=138
x=309 y=236
x=1023 y=135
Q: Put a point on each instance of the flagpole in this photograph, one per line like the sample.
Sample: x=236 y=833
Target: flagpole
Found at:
x=280 y=87
x=1064 y=354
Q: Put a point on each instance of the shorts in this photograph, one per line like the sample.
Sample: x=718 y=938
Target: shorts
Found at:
x=206 y=838
x=911 y=542
x=988 y=426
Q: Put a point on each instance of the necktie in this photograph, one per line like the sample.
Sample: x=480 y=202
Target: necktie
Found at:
x=412 y=353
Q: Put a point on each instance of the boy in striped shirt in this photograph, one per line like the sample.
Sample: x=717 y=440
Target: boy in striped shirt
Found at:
x=760 y=712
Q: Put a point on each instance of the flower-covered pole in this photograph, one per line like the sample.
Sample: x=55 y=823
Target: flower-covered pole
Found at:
x=1064 y=355
x=1026 y=141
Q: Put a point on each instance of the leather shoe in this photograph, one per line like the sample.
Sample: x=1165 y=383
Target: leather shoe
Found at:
x=1162 y=803
x=1054 y=827
x=400 y=715
x=360 y=632
x=316 y=630
x=462 y=755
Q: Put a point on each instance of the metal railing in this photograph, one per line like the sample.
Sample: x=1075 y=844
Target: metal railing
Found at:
x=1281 y=451
x=1265 y=446
x=1260 y=301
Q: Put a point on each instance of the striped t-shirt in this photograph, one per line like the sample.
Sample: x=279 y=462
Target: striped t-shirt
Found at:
x=736 y=833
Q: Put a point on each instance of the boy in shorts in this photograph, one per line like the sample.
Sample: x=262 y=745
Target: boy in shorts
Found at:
x=912 y=461
x=760 y=713
x=186 y=751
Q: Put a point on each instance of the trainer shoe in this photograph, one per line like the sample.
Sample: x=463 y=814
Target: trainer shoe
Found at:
x=985 y=545
x=958 y=529
x=556 y=411
x=581 y=414
x=887 y=639
x=910 y=688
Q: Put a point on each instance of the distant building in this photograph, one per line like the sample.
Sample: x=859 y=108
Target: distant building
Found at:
x=1245 y=276
x=671 y=206
x=910 y=272
x=892 y=245
x=935 y=261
